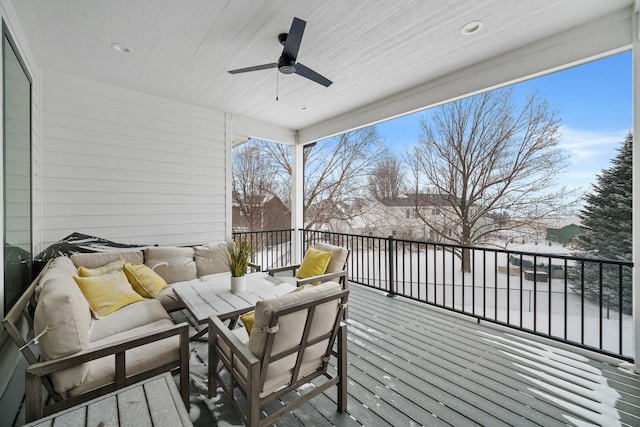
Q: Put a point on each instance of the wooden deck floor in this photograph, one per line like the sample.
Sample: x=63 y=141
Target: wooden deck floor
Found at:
x=413 y=365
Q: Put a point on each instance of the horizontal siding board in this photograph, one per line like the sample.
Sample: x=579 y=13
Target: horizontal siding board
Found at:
x=126 y=147
x=126 y=115
x=130 y=167
x=91 y=209
x=116 y=129
x=78 y=90
x=128 y=199
x=137 y=167
x=85 y=221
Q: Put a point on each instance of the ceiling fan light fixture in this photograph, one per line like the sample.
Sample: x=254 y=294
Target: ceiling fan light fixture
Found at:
x=472 y=27
x=286 y=65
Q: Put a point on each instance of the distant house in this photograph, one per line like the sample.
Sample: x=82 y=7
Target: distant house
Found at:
x=564 y=235
x=398 y=217
x=271 y=214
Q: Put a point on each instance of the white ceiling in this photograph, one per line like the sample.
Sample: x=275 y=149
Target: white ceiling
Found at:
x=379 y=53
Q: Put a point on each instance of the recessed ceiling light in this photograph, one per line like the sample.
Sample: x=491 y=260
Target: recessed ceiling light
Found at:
x=120 y=47
x=471 y=28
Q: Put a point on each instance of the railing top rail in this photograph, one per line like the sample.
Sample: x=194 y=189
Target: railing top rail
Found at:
x=264 y=231
x=498 y=250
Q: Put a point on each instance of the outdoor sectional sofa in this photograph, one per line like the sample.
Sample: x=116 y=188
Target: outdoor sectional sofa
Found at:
x=85 y=352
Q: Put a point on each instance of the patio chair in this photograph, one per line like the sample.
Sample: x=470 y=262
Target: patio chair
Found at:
x=291 y=343
x=311 y=269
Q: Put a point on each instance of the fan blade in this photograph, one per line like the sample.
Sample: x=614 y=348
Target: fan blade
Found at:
x=254 y=68
x=312 y=75
x=294 y=38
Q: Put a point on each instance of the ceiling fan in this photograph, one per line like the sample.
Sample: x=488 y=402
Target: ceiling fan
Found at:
x=287 y=62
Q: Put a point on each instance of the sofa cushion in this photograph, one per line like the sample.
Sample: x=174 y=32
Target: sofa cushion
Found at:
x=60 y=267
x=338 y=256
x=169 y=299
x=172 y=263
x=144 y=280
x=98 y=259
x=90 y=272
x=139 y=359
x=128 y=317
x=65 y=314
x=210 y=259
x=108 y=292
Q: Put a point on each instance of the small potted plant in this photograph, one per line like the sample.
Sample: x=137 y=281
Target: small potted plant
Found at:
x=237 y=254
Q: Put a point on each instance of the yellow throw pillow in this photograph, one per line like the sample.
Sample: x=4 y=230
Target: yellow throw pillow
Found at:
x=248 y=319
x=144 y=280
x=315 y=263
x=107 y=293
x=90 y=272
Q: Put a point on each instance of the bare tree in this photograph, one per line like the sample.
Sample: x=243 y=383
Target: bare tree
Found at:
x=386 y=181
x=485 y=157
x=255 y=186
x=335 y=173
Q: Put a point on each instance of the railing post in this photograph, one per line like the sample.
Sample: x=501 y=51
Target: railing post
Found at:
x=390 y=269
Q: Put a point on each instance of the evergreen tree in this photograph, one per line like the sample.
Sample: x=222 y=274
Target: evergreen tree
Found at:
x=607 y=219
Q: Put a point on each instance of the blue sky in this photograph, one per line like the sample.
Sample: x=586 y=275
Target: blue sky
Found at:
x=593 y=103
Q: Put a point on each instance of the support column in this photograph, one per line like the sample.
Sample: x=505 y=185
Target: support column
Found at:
x=228 y=148
x=297 y=198
x=636 y=185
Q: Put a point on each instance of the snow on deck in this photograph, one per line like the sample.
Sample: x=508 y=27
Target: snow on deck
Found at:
x=412 y=365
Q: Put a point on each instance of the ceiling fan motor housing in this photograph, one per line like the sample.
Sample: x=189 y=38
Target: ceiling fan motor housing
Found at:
x=286 y=65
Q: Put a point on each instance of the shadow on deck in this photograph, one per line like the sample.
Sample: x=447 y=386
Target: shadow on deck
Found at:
x=410 y=364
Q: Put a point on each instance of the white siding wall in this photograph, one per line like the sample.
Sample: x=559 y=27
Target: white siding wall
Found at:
x=130 y=167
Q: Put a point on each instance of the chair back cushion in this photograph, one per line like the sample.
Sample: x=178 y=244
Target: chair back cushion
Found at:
x=338 y=256
x=290 y=330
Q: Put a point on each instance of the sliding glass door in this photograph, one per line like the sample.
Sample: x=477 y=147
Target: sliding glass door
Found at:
x=16 y=91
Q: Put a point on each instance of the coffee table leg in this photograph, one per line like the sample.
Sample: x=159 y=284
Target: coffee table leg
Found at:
x=199 y=334
x=233 y=322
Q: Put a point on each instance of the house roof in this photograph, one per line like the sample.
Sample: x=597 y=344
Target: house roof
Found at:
x=385 y=58
x=410 y=200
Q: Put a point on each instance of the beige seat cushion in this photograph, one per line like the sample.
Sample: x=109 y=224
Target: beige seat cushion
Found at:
x=290 y=329
x=156 y=354
x=210 y=259
x=128 y=317
x=168 y=299
x=98 y=259
x=172 y=263
x=338 y=256
x=65 y=313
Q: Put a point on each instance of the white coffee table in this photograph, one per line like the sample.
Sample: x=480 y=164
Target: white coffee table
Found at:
x=213 y=297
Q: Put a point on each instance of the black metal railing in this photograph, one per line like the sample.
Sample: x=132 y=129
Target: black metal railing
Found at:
x=271 y=248
x=582 y=301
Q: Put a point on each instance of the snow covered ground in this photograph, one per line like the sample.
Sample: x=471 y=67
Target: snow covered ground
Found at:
x=550 y=308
